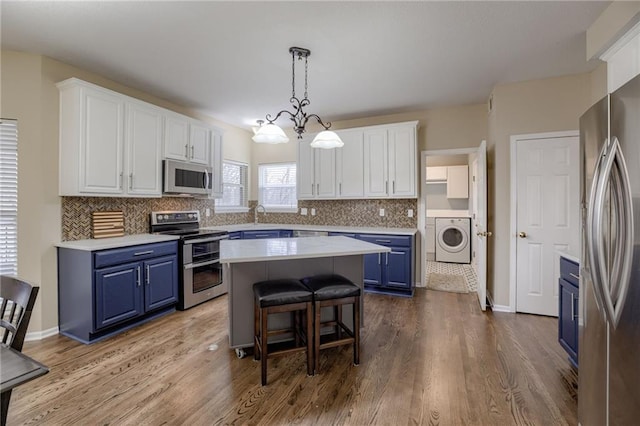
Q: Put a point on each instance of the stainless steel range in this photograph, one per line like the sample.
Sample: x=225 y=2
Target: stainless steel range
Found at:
x=199 y=251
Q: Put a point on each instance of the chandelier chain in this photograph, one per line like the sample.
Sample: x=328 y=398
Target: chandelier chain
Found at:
x=293 y=73
x=306 y=74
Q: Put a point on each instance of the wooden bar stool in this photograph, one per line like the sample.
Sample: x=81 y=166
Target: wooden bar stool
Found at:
x=335 y=290
x=284 y=295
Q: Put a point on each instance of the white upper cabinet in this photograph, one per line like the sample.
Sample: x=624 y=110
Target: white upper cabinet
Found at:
x=376 y=159
x=316 y=171
x=112 y=144
x=350 y=165
x=390 y=154
x=186 y=139
x=402 y=161
x=143 y=139
x=375 y=162
x=437 y=174
x=458 y=182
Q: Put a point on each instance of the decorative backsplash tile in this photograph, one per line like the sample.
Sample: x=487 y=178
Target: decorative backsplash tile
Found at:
x=76 y=213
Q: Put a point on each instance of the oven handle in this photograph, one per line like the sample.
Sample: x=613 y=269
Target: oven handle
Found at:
x=197 y=265
x=205 y=240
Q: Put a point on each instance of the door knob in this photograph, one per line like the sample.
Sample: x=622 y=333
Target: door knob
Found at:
x=522 y=234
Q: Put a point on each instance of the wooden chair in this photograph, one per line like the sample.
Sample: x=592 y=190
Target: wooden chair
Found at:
x=16 y=304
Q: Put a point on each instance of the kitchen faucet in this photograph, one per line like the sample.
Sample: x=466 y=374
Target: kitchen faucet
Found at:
x=255 y=213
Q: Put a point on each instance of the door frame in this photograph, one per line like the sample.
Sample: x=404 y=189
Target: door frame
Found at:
x=514 y=139
x=422 y=201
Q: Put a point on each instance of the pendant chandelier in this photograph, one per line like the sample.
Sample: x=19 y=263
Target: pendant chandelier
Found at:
x=272 y=133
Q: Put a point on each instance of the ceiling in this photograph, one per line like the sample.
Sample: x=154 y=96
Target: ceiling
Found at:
x=230 y=60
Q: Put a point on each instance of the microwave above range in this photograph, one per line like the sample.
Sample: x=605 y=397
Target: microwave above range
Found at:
x=181 y=178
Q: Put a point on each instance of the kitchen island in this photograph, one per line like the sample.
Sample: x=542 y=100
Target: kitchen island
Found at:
x=246 y=262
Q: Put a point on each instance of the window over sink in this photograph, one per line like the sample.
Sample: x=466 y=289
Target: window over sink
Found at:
x=235 y=188
x=277 y=187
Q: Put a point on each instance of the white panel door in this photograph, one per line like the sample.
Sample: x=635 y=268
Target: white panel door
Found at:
x=101 y=149
x=325 y=172
x=199 y=143
x=176 y=137
x=376 y=181
x=305 y=172
x=547 y=218
x=144 y=148
x=480 y=222
x=402 y=161
x=350 y=165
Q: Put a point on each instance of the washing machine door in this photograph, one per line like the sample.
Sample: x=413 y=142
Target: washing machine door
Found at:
x=453 y=239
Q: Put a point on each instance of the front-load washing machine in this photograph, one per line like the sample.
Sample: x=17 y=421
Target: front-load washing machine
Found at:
x=453 y=242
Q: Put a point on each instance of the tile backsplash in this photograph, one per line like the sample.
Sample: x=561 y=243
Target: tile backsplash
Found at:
x=76 y=213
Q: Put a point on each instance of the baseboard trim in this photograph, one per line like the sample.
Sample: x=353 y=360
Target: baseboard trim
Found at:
x=497 y=308
x=39 y=335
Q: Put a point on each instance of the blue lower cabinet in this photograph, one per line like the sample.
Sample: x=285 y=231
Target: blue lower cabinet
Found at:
x=392 y=272
x=286 y=233
x=118 y=294
x=236 y=235
x=254 y=235
x=104 y=292
x=569 y=283
x=160 y=282
x=343 y=234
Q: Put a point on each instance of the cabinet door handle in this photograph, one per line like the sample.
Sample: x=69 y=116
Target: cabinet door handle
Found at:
x=378 y=258
x=313 y=187
x=130 y=180
x=340 y=188
x=383 y=241
x=138 y=276
x=142 y=253
x=192 y=152
x=573 y=308
x=186 y=150
x=574 y=276
x=317 y=189
x=120 y=181
x=393 y=185
x=386 y=186
x=386 y=259
x=147 y=279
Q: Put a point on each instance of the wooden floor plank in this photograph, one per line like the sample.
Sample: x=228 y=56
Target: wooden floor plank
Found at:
x=431 y=359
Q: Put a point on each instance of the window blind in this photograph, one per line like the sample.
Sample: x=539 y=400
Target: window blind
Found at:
x=234 y=185
x=277 y=186
x=8 y=197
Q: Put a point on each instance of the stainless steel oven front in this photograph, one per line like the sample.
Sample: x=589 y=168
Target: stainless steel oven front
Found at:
x=202 y=271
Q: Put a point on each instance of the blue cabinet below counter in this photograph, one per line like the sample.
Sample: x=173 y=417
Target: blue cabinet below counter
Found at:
x=104 y=292
x=390 y=273
x=569 y=283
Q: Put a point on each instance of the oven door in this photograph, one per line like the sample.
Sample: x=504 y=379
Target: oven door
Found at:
x=202 y=273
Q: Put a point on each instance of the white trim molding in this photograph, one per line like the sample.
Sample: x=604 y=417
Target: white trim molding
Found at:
x=39 y=335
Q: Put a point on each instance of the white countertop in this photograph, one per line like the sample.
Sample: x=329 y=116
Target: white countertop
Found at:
x=355 y=229
x=239 y=251
x=116 y=242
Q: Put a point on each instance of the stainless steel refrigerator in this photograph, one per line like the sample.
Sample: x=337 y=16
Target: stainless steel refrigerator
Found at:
x=609 y=314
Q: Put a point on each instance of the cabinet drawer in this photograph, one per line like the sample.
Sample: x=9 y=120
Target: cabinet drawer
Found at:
x=251 y=235
x=569 y=271
x=128 y=254
x=387 y=240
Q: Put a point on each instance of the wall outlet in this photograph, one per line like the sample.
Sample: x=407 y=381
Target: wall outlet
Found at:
x=410 y=213
x=207 y=212
x=381 y=212
x=313 y=212
x=303 y=211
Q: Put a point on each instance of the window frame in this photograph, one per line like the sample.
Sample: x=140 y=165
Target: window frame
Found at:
x=278 y=208
x=235 y=209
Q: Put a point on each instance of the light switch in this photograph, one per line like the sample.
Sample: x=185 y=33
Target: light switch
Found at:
x=303 y=211
x=381 y=212
x=410 y=213
x=313 y=212
x=207 y=212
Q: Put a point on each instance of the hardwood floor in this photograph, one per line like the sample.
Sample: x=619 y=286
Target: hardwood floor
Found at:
x=431 y=359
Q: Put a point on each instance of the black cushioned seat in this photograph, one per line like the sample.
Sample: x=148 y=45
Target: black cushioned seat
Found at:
x=281 y=292
x=277 y=296
x=332 y=290
x=331 y=286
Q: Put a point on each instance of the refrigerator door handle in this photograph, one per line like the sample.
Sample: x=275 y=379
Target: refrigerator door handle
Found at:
x=623 y=255
x=595 y=248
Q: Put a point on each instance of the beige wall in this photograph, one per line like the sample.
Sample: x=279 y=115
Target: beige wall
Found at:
x=539 y=106
x=29 y=95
